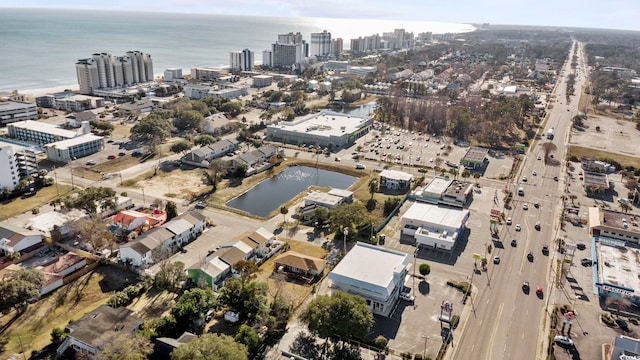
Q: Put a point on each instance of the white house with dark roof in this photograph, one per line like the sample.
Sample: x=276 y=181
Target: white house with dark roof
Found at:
x=147 y=247
x=375 y=273
x=164 y=239
x=14 y=238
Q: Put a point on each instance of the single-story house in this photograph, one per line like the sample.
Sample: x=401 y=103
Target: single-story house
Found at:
x=131 y=219
x=14 y=238
x=204 y=155
x=163 y=346
x=299 y=264
x=55 y=270
x=94 y=330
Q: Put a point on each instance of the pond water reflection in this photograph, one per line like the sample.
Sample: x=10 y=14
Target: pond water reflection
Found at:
x=269 y=194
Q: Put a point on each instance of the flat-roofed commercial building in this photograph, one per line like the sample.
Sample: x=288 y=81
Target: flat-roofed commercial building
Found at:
x=434 y=226
x=375 y=273
x=321 y=129
x=260 y=81
x=12 y=111
x=445 y=191
x=37 y=132
x=77 y=147
x=614 y=225
x=395 y=180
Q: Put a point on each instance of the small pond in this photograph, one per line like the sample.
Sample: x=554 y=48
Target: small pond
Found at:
x=271 y=193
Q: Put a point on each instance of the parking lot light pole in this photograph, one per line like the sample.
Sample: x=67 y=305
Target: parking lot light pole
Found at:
x=426 y=339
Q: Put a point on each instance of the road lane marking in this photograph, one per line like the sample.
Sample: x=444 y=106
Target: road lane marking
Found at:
x=493 y=335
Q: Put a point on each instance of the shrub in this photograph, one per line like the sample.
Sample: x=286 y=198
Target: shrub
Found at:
x=380 y=342
x=417 y=357
x=424 y=269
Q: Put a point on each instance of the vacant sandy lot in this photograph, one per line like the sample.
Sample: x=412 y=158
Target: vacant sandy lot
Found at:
x=174 y=184
x=616 y=136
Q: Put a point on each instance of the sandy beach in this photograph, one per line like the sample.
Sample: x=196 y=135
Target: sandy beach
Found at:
x=40 y=92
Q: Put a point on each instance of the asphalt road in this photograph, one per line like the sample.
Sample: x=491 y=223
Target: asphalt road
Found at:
x=508 y=323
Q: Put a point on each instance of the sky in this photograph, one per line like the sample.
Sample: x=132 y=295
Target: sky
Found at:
x=611 y=14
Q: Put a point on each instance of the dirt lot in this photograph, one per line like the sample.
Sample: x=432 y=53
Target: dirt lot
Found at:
x=615 y=136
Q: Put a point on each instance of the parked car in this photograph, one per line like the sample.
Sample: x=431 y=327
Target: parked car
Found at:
x=586 y=262
x=524 y=179
x=545 y=249
x=407 y=297
x=111 y=157
x=91 y=162
x=525 y=206
x=360 y=166
x=539 y=290
x=555 y=178
x=538 y=225
x=122 y=154
x=508 y=221
x=201 y=205
x=525 y=287
x=563 y=340
x=514 y=243
x=518 y=227
x=530 y=256
x=581 y=246
x=496 y=260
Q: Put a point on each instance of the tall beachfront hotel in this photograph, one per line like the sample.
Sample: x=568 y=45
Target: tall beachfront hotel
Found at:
x=320 y=44
x=241 y=60
x=104 y=71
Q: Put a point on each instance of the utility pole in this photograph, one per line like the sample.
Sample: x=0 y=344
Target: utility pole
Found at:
x=345 y=232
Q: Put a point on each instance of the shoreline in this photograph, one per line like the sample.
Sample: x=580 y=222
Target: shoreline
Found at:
x=44 y=91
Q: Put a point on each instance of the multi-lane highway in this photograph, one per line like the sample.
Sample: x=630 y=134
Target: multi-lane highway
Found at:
x=508 y=323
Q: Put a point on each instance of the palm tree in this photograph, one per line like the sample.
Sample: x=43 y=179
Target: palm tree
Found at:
x=465 y=174
x=284 y=211
x=625 y=207
x=476 y=176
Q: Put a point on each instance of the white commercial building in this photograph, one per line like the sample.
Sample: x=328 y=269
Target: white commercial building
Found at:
x=261 y=81
x=434 y=226
x=445 y=191
x=241 y=60
x=207 y=73
x=375 y=273
x=77 y=147
x=323 y=128
x=395 y=180
x=12 y=111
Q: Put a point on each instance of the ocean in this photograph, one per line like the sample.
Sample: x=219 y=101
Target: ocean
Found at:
x=39 y=47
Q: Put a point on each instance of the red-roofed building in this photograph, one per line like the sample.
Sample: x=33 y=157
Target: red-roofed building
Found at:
x=131 y=219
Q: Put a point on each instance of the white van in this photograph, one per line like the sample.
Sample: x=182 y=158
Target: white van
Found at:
x=521 y=191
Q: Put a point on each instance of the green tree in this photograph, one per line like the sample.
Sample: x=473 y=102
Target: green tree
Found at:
x=249 y=299
x=424 y=269
x=182 y=146
x=171 y=209
x=240 y=171
x=233 y=109
x=211 y=347
x=193 y=305
x=348 y=215
x=465 y=174
x=18 y=287
x=189 y=120
x=152 y=129
x=170 y=275
x=57 y=336
x=204 y=139
x=340 y=314
x=91 y=198
x=128 y=347
x=247 y=336
x=247 y=269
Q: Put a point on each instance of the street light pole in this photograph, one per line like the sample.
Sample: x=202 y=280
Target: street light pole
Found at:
x=426 y=339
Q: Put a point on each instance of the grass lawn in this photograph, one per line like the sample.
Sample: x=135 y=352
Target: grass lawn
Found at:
x=292 y=291
x=68 y=303
x=121 y=131
x=624 y=160
x=18 y=206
